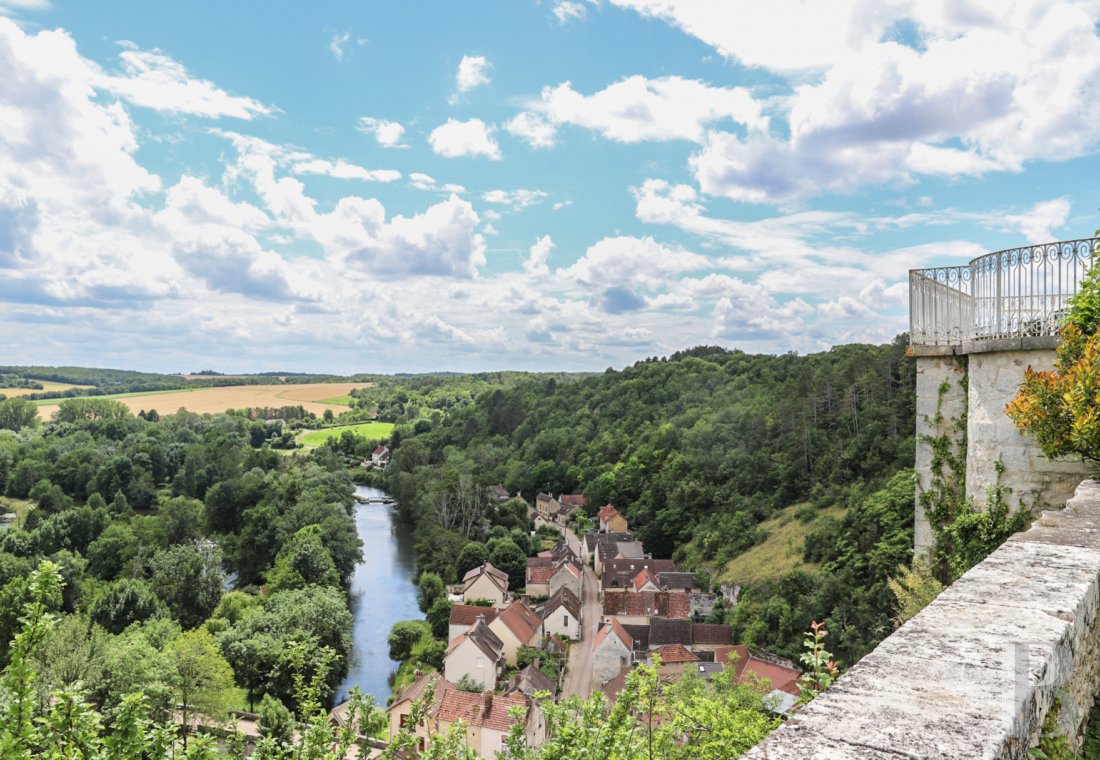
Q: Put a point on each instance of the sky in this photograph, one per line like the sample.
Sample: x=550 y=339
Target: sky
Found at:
x=518 y=184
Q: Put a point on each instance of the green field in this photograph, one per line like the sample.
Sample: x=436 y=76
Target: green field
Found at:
x=342 y=400
x=369 y=430
x=781 y=552
x=51 y=401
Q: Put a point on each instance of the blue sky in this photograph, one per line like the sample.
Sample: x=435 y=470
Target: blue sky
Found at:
x=564 y=184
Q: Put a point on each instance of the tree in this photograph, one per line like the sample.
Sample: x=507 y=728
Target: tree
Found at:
x=123 y=603
x=181 y=519
x=276 y=722
x=512 y=560
x=303 y=561
x=90 y=408
x=431 y=588
x=473 y=555
x=433 y=654
x=404 y=635
x=188 y=579
x=202 y=677
x=17 y=413
x=439 y=618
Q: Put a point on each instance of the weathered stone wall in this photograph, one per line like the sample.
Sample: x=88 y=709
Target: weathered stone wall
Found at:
x=934 y=372
x=975 y=673
x=1035 y=481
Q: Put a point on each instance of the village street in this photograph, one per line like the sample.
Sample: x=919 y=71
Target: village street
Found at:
x=578 y=677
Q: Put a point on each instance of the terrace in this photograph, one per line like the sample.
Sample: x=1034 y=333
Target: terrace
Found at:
x=1011 y=299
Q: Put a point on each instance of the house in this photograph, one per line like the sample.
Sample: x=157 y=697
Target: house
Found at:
x=465 y=615
x=567 y=575
x=780 y=673
x=673 y=658
x=710 y=636
x=612 y=651
x=593 y=540
x=477 y=655
x=517 y=626
x=538 y=573
x=380 y=457
x=498 y=493
x=676 y=581
x=645 y=581
x=619 y=574
x=547 y=507
x=553 y=645
x=571 y=503
x=664 y=631
x=561 y=616
x=611 y=520
x=607 y=550
x=637 y=607
x=487 y=717
x=530 y=681
x=485 y=582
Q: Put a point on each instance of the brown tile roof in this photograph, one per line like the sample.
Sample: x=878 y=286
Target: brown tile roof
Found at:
x=569 y=567
x=668 y=631
x=521 y=621
x=540 y=573
x=607 y=512
x=676 y=580
x=711 y=633
x=639 y=634
x=644 y=577
x=494 y=572
x=619 y=573
x=483 y=710
x=613 y=686
x=528 y=681
x=563 y=598
x=572 y=500
x=614 y=628
x=762 y=665
x=467 y=614
x=412 y=691
x=669 y=604
x=675 y=653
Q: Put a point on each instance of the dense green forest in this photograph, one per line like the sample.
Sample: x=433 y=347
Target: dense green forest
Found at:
x=697 y=449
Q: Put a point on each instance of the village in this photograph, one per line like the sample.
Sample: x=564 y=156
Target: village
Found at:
x=587 y=612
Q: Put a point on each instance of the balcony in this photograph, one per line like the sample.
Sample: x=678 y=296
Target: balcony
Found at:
x=1011 y=299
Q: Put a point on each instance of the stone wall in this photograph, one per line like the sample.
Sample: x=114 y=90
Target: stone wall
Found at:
x=975 y=674
x=1033 y=480
x=934 y=373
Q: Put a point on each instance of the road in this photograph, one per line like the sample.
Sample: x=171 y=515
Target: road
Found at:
x=578 y=677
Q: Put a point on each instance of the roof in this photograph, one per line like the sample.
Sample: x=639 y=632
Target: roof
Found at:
x=543 y=497
x=613 y=686
x=530 y=680
x=563 y=598
x=521 y=620
x=620 y=573
x=614 y=629
x=608 y=512
x=552 y=643
x=481 y=637
x=676 y=580
x=644 y=577
x=483 y=710
x=570 y=568
x=539 y=573
x=412 y=691
x=467 y=614
x=488 y=569
x=629 y=549
x=711 y=633
x=639 y=634
x=760 y=665
x=674 y=653
x=670 y=604
x=379 y=451
x=664 y=631
x=572 y=500
x=499 y=491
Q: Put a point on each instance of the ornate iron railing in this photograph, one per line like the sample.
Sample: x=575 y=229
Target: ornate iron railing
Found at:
x=1015 y=293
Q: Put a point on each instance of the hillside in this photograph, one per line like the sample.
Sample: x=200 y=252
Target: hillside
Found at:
x=782 y=551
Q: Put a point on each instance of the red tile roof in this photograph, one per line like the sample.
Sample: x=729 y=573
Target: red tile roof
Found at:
x=467 y=614
x=484 y=710
x=644 y=577
x=668 y=604
x=572 y=500
x=614 y=628
x=521 y=621
x=747 y=665
x=540 y=573
x=607 y=512
x=675 y=653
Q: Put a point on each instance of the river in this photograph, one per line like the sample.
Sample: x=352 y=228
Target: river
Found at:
x=382 y=592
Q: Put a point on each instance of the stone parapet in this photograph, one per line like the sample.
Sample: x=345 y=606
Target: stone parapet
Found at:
x=975 y=674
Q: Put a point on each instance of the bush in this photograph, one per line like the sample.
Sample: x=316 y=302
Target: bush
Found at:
x=404 y=635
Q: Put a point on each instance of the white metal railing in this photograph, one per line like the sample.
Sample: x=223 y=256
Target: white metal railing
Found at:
x=1019 y=292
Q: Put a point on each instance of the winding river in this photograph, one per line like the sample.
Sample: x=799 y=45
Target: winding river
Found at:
x=382 y=592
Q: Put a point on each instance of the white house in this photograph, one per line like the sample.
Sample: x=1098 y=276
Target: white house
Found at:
x=561 y=616
x=485 y=582
x=477 y=655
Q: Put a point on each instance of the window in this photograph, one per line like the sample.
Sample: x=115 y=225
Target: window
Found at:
x=564 y=621
x=481 y=662
x=404 y=719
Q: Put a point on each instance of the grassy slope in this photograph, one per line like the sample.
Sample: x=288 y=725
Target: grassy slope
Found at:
x=341 y=400
x=408 y=668
x=19 y=506
x=371 y=430
x=781 y=552
x=47 y=385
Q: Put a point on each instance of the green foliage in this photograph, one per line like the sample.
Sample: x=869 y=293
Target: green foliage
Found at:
x=821 y=670
x=276 y=721
x=304 y=560
x=914 y=588
x=188 y=579
x=124 y=602
x=17 y=413
x=431 y=589
x=510 y=558
x=439 y=617
x=404 y=635
x=473 y=555
x=203 y=679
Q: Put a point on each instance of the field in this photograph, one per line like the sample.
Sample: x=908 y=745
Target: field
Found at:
x=369 y=430
x=781 y=552
x=47 y=385
x=212 y=400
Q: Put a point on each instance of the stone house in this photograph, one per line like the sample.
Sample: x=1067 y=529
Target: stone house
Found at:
x=517 y=626
x=637 y=607
x=477 y=655
x=568 y=576
x=547 y=507
x=465 y=615
x=485 y=582
x=619 y=574
x=499 y=493
x=538 y=573
x=612 y=651
x=561 y=616
x=380 y=457
x=611 y=520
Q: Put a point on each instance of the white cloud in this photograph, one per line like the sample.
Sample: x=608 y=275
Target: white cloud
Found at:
x=337 y=43
x=426 y=182
x=536 y=265
x=534 y=129
x=464 y=138
x=472 y=72
x=387 y=133
x=342 y=169
x=518 y=199
x=569 y=10
x=636 y=109
x=561 y=204
x=1038 y=223
x=153 y=80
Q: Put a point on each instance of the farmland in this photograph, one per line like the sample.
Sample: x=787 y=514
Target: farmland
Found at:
x=47 y=386
x=212 y=400
x=368 y=430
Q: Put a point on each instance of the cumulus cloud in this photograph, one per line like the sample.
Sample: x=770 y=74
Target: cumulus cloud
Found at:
x=636 y=109
x=536 y=264
x=569 y=10
x=464 y=138
x=341 y=169
x=337 y=43
x=472 y=72
x=426 y=182
x=1038 y=223
x=153 y=80
x=388 y=134
x=518 y=199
